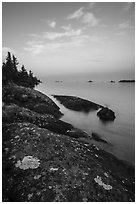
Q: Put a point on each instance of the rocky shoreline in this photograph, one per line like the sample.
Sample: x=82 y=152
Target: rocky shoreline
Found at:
x=45 y=159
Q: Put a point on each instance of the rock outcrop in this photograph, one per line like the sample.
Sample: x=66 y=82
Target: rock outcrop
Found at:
x=98 y=138
x=42 y=166
x=106 y=114
x=44 y=159
x=31 y=99
x=76 y=103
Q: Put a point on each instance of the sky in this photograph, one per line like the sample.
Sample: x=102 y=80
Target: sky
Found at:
x=71 y=40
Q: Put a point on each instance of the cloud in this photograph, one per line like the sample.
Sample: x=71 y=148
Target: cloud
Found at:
x=35 y=49
x=124 y=25
x=90 y=19
x=86 y=17
x=67 y=28
x=55 y=35
x=91 y=4
x=51 y=24
x=55 y=45
x=128 y=6
x=77 y=14
x=51 y=41
x=120 y=33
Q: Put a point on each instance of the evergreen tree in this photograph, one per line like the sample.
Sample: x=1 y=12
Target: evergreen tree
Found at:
x=10 y=73
x=15 y=62
x=8 y=67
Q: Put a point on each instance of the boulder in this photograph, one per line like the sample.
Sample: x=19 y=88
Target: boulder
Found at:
x=106 y=114
x=77 y=133
x=98 y=138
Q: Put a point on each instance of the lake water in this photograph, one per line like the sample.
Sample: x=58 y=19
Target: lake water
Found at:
x=120 y=97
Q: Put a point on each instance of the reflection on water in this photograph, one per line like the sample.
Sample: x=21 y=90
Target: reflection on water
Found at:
x=120 y=133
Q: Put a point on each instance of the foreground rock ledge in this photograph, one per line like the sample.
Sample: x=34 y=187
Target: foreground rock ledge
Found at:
x=42 y=166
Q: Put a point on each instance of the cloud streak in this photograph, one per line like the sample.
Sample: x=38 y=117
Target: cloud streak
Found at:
x=55 y=35
x=124 y=25
x=90 y=19
x=128 y=6
x=77 y=14
x=51 y=24
x=85 y=17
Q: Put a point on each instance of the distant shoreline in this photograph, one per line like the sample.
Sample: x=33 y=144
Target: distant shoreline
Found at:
x=126 y=81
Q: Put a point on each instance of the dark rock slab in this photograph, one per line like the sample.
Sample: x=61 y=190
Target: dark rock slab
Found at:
x=76 y=103
x=42 y=166
x=98 y=138
x=106 y=114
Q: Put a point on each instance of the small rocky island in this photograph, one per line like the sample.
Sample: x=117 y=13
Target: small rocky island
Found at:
x=127 y=81
x=112 y=81
x=46 y=160
x=89 y=81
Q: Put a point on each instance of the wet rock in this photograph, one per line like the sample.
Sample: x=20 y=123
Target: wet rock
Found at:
x=76 y=103
x=98 y=138
x=106 y=114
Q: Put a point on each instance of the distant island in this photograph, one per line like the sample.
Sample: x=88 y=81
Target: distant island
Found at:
x=127 y=80
x=90 y=81
x=58 y=81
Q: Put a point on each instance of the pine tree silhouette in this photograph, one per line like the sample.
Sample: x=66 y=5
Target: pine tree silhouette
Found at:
x=10 y=73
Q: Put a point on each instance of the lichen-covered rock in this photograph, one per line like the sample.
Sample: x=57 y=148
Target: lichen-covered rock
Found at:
x=42 y=166
x=29 y=98
x=13 y=113
x=28 y=162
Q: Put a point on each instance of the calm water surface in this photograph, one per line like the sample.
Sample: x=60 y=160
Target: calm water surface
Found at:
x=120 y=97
